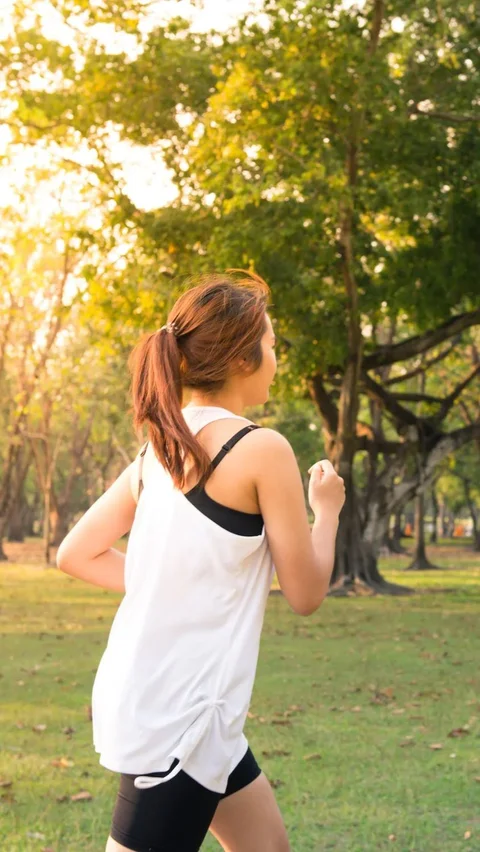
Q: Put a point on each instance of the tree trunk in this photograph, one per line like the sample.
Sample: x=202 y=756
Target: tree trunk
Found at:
x=29 y=517
x=59 y=523
x=420 y=559
x=450 y=525
x=16 y=523
x=46 y=517
x=356 y=563
x=3 y=527
x=13 y=448
x=434 y=533
x=12 y=499
x=443 y=519
x=394 y=540
x=473 y=514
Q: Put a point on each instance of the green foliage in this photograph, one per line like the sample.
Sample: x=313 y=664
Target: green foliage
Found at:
x=271 y=110
x=461 y=474
x=258 y=126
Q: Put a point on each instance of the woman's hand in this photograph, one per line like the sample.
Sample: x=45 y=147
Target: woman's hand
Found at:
x=326 y=490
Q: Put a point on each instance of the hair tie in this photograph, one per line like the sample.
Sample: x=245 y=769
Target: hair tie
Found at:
x=171 y=327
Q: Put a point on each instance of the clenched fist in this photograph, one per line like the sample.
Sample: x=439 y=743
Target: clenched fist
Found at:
x=326 y=490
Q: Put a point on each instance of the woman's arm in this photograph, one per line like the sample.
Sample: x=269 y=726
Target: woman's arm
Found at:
x=87 y=552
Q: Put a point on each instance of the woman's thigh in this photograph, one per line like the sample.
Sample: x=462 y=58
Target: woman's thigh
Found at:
x=250 y=820
x=174 y=815
x=113 y=846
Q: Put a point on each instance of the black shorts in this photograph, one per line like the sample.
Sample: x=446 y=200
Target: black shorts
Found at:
x=173 y=816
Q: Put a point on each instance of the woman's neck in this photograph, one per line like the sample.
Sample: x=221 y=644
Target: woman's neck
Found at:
x=229 y=403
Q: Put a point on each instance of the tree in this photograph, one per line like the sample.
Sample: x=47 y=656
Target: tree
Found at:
x=464 y=491
x=310 y=156
x=335 y=153
x=33 y=291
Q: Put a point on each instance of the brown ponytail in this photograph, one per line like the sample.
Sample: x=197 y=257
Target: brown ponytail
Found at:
x=216 y=322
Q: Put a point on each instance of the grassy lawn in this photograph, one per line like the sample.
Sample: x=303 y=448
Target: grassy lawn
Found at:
x=347 y=706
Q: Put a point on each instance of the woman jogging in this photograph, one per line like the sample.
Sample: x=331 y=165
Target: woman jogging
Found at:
x=214 y=504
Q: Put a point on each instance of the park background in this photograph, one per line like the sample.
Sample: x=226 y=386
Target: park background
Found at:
x=332 y=147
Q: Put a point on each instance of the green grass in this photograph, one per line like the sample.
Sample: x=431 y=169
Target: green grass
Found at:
x=346 y=706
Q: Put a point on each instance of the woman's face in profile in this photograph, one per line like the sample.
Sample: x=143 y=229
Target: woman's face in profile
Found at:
x=263 y=377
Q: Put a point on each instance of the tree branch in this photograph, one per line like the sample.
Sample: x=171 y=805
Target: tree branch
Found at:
x=451 y=399
x=422 y=368
x=417 y=397
x=421 y=342
x=443 y=446
x=327 y=407
x=387 y=400
x=444 y=116
x=378 y=10
x=380 y=445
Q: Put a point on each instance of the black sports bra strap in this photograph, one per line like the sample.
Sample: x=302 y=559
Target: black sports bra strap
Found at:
x=216 y=461
x=231 y=443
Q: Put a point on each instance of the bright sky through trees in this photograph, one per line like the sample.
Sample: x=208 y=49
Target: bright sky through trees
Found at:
x=147 y=180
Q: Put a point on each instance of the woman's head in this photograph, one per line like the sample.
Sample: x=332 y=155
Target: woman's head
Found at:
x=220 y=348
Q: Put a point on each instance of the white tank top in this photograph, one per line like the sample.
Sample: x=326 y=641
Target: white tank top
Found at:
x=176 y=677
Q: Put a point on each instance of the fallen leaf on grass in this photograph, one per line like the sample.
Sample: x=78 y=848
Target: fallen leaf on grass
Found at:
x=398 y=711
x=407 y=742
x=83 y=796
x=62 y=762
x=276 y=783
x=458 y=732
x=4 y=783
x=39 y=728
x=314 y=756
x=356 y=709
x=392 y=837
x=467 y=835
x=8 y=798
x=383 y=696
x=276 y=752
x=280 y=722
x=436 y=746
